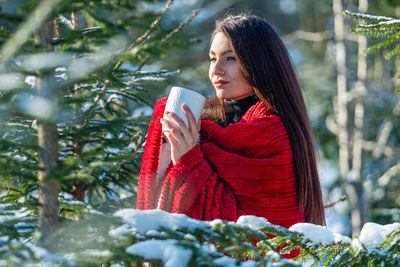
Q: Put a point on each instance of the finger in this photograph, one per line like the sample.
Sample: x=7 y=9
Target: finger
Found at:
x=172 y=140
x=191 y=119
x=171 y=128
x=179 y=123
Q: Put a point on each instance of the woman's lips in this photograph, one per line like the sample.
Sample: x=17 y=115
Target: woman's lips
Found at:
x=220 y=83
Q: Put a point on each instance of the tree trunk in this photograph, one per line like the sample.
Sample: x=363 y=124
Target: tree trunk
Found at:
x=48 y=143
x=79 y=188
x=341 y=105
x=355 y=188
x=352 y=184
x=48 y=195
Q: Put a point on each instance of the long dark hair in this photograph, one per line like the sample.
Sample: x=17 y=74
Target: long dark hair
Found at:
x=266 y=64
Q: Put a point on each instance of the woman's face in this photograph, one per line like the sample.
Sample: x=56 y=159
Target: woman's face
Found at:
x=225 y=73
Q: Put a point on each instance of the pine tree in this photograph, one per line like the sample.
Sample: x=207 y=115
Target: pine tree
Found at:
x=386 y=28
x=71 y=71
x=65 y=121
x=130 y=237
x=381 y=165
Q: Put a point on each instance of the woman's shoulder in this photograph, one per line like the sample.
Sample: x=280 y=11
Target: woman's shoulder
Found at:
x=260 y=133
x=260 y=112
x=259 y=119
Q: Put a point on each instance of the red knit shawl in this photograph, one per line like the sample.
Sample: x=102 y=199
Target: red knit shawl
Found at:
x=244 y=169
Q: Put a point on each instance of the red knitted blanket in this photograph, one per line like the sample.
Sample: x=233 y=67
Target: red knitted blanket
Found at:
x=244 y=169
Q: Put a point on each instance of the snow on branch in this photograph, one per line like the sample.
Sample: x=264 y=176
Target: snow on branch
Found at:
x=130 y=237
x=378 y=26
x=366 y=17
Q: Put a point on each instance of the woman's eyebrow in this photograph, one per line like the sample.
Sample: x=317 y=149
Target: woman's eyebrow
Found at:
x=223 y=53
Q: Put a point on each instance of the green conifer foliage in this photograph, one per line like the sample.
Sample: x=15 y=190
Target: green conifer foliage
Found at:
x=385 y=28
x=93 y=72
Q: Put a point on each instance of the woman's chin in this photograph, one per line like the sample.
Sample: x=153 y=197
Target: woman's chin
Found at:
x=220 y=94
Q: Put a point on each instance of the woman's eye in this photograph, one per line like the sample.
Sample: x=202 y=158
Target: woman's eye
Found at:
x=212 y=59
x=231 y=58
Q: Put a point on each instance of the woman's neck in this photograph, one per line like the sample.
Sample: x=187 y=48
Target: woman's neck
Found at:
x=237 y=108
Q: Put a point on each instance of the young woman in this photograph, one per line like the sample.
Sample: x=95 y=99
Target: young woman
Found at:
x=255 y=154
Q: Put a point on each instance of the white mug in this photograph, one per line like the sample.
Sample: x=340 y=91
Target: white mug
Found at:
x=178 y=96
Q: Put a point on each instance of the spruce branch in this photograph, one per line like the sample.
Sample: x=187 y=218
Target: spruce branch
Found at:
x=143 y=37
x=366 y=17
x=382 y=45
x=138 y=41
x=144 y=62
x=393 y=53
x=379 y=26
x=27 y=28
x=181 y=26
x=343 y=198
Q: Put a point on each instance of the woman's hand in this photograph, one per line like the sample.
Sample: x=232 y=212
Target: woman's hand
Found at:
x=181 y=139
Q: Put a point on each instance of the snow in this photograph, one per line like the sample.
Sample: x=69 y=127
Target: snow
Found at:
x=113 y=150
x=273 y=255
x=230 y=262
x=170 y=253
x=373 y=235
x=114 y=96
x=20 y=215
x=253 y=222
x=143 y=221
x=338 y=238
x=148 y=78
x=44 y=254
x=119 y=231
x=153 y=233
x=207 y=249
x=31 y=80
x=356 y=244
x=216 y=222
x=394 y=21
x=190 y=237
x=146 y=226
x=367 y=16
x=316 y=233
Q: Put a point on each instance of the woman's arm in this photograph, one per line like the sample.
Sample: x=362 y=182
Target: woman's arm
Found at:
x=246 y=168
x=164 y=158
x=192 y=187
x=209 y=182
x=181 y=138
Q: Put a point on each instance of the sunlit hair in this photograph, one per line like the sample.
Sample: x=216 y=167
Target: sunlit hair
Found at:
x=266 y=65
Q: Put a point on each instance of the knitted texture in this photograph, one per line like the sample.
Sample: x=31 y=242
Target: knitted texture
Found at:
x=244 y=169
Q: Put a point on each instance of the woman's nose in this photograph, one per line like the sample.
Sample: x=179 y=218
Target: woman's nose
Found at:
x=218 y=68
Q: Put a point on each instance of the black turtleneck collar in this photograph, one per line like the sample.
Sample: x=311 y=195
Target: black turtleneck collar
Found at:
x=237 y=108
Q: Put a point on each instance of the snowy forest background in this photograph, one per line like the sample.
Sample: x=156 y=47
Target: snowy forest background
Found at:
x=77 y=84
